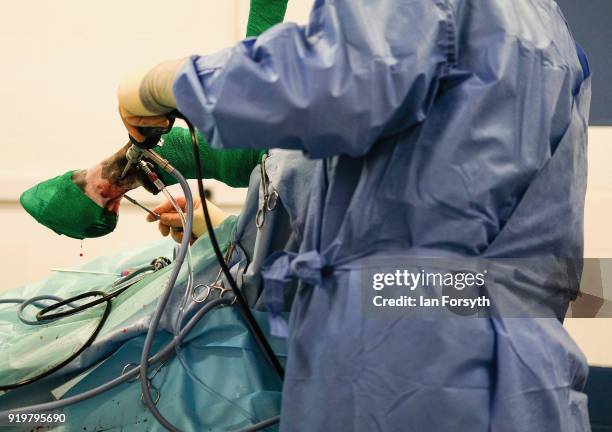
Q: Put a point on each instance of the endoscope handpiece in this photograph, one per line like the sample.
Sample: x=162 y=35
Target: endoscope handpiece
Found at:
x=152 y=137
x=133 y=156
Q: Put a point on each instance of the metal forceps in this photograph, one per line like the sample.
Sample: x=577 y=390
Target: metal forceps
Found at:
x=154 y=389
x=217 y=284
x=270 y=198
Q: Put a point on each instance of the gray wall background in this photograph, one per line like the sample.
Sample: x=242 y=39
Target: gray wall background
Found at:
x=590 y=24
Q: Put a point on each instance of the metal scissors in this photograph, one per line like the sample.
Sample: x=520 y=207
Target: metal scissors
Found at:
x=270 y=197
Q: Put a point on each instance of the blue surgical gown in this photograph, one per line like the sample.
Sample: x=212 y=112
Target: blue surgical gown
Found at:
x=441 y=128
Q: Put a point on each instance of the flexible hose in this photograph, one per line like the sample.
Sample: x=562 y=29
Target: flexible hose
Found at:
x=44 y=316
x=128 y=375
x=261 y=425
x=88 y=342
x=163 y=301
x=161 y=355
x=23 y=303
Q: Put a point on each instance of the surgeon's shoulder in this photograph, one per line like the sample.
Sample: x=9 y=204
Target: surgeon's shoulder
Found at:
x=533 y=26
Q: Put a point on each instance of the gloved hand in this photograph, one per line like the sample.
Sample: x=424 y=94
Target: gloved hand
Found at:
x=170 y=221
x=144 y=97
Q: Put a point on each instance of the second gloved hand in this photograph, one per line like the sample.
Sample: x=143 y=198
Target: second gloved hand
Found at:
x=170 y=221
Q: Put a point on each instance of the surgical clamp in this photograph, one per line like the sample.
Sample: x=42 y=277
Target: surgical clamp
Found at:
x=270 y=198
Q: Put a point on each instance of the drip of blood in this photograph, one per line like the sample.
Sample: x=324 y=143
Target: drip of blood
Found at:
x=81 y=253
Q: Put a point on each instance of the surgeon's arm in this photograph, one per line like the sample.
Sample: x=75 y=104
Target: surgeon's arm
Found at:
x=360 y=70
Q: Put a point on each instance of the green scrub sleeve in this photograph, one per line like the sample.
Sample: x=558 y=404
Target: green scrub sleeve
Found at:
x=264 y=14
x=232 y=167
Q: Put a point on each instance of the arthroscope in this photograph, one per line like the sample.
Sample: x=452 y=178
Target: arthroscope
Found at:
x=140 y=155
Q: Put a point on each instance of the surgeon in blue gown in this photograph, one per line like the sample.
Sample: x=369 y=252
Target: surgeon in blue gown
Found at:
x=442 y=128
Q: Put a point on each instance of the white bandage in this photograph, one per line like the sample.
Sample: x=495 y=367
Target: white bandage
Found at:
x=155 y=90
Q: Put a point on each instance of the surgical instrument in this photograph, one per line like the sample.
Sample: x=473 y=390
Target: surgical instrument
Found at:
x=153 y=136
x=270 y=198
x=136 y=203
x=93 y=272
x=217 y=284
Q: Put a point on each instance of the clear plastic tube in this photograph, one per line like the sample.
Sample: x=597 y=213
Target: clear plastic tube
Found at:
x=179 y=210
x=190 y=276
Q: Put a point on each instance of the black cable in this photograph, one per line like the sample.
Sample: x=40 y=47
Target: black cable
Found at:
x=86 y=345
x=43 y=314
x=243 y=307
x=104 y=297
x=164 y=353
